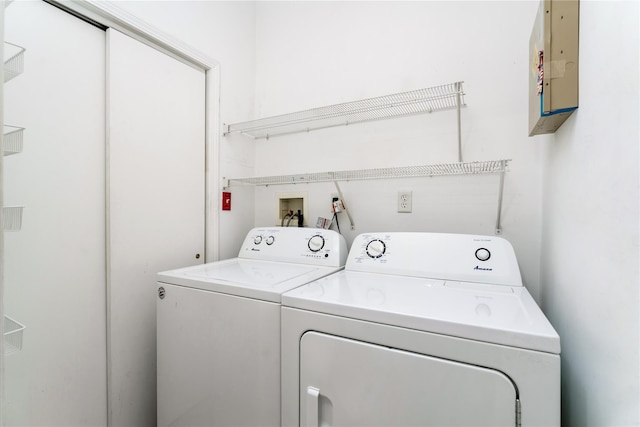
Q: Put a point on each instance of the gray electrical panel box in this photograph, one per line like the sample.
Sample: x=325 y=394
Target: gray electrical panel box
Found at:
x=553 y=79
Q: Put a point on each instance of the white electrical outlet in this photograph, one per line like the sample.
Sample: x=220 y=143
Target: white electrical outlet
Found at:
x=405 y=201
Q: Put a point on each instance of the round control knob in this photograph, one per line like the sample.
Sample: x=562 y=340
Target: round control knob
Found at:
x=270 y=240
x=483 y=254
x=257 y=240
x=316 y=243
x=376 y=248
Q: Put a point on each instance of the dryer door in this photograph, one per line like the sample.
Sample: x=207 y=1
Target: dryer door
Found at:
x=345 y=382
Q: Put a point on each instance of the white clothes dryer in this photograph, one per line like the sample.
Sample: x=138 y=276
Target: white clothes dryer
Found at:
x=218 y=327
x=419 y=329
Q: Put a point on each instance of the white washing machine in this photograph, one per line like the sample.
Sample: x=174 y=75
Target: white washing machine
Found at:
x=218 y=327
x=419 y=329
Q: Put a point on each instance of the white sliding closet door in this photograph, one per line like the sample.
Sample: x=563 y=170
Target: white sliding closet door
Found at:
x=156 y=207
x=55 y=264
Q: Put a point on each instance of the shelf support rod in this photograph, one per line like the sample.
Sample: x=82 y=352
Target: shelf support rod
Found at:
x=458 y=107
x=346 y=209
x=500 y=194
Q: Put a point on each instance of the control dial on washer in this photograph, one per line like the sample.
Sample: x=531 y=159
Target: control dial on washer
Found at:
x=483 y=254
x=270 y=240
x=376 y=248
x=316 y=243
x=257 y=240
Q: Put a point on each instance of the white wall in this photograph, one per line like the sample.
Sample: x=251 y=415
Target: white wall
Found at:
x=306 y=54
x=590 y=227
x=311 y=54
x=294 y=55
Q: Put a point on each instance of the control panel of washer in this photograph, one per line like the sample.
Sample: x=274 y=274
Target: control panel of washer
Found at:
x=295 y=244
x=454 y=257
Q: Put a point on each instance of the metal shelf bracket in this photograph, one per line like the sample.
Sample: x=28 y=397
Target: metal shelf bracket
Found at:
x=500 y=194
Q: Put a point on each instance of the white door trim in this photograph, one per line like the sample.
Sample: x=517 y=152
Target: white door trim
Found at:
x=2 y=6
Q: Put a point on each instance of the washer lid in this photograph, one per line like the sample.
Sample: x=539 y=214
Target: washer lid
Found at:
x=265 y=280
x=491 y=313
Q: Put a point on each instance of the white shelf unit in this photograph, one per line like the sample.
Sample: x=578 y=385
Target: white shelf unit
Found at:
x=12 y=216
x=12 y=142
x=12 y=335
x=446 y=169
x=13 y=61
x=438 y=98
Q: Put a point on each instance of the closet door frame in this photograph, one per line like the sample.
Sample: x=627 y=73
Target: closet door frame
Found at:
x=110 y=16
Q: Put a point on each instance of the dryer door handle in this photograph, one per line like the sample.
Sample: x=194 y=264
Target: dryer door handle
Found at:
x=313 y=402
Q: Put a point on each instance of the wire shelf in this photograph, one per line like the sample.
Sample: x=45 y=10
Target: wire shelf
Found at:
x=438 y=98
x=12 y=140
x=12 y=336
x=12 y=217
x=447 y=169
x=13 y=61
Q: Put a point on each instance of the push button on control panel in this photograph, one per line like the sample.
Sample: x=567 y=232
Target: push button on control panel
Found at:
x=483 y=254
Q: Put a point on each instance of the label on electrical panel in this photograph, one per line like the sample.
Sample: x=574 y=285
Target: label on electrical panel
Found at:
x=323 y=223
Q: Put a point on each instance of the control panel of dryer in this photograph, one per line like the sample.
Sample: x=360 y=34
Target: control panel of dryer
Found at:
x=452 y=257
x=295 y=244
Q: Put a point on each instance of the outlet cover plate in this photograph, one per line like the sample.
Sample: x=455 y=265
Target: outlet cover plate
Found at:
x=405 y=201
